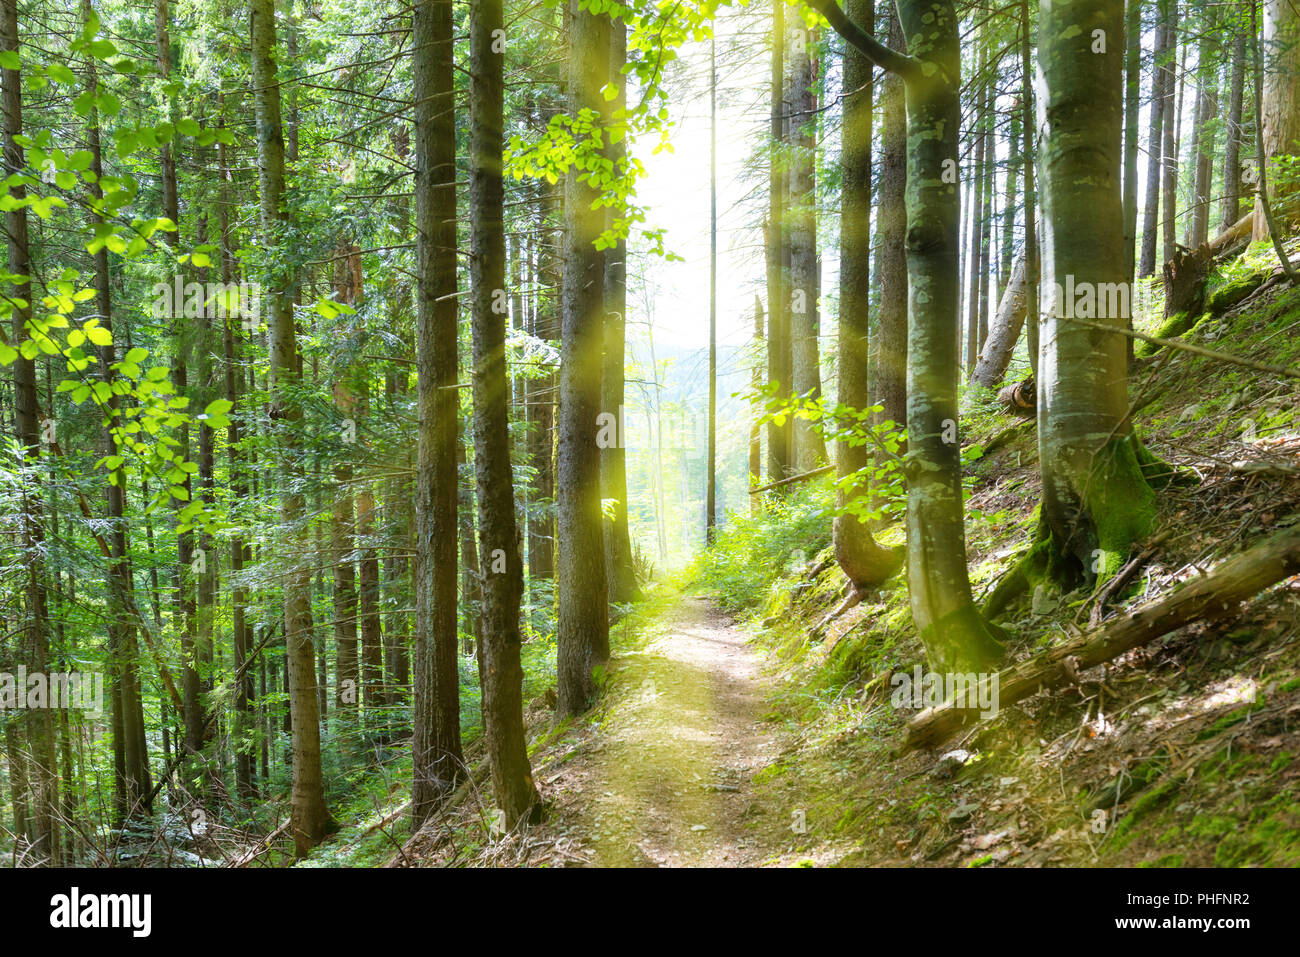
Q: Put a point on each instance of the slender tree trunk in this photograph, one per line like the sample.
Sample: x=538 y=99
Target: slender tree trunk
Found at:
x=975 y=207
x=39 y=767
x=801 y=230
x=620 y=572
x=1170 y=128
x=1161 y=82
x=866 y=564
x=582 y=640
x=891 y=347
x=134 y=786
x=1207 y=109
x=955 y=636
x=438 y=762
x=241 y=633
x=500 y=671
x=1230 y=209
x=779 y=434
x=1132 y=116
x=310 y=819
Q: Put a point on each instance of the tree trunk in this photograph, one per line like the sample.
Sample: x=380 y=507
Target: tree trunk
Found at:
x=438 y=762
x=1132 y=111
x=619 y=570
x=1230 y=208
x=891 y=216
x=801 y=230
x=864 y=562
x=310 y=819
x=582 y=640
x=1170 y=129
x=241 y=633
x=1096 y=501
x=779 y=434
x=134 y=785
x=1280 y=103
x=1207 y=109
x=39 y=767
x=1161 y=83
x=1004 y=332
x=500 y=671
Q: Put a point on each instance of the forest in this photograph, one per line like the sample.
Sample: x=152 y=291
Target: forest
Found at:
x=650 y=433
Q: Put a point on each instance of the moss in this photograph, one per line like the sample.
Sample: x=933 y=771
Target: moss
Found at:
x=1171 y=328
x=1121 y=504
x=1224 y=297
x=1144 y=805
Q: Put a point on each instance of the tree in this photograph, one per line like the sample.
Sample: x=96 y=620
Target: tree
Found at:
x=1096 y=499
x=500 y=545
x=780 y=432
x=891 y=227
x=436 y=746
x=39 y=770
x=866 y=563
x=955 y=636
x=310 y=819
x=1279 y=104
x=619 y=569
x=582 y=636
x=133 y=788
x=800 y=220
x=1161 y=87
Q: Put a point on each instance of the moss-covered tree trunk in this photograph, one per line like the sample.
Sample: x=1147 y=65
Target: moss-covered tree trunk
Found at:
x=1096 y=500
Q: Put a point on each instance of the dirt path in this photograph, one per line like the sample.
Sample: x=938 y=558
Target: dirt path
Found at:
x=666 y=780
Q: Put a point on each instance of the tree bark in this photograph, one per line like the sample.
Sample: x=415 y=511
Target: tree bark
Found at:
x=500 y=545
x=619 y=570
x=310 y=819
x=863 y=561
x=1096 y=501
x=582 y=639
x=39 y=765
x=1161 y=82
x=436 y=746
x=1004 y=331
x=891 y=216
x=779 y=434
x=1280 y=102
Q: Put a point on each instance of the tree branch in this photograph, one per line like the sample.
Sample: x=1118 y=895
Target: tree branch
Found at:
x=879 y=54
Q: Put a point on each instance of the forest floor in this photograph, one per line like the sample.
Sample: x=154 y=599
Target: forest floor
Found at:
x=667 y=778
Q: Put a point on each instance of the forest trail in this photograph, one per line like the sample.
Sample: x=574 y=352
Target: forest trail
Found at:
x=668 y=778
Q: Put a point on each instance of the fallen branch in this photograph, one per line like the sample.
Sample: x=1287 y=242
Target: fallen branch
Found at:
x=793 y=478
x=1236 y=580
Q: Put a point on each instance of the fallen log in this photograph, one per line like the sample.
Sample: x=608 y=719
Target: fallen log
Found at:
x=1238 y=231
x=1219 y=592
x=1020 y=398
x=1004 y=331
